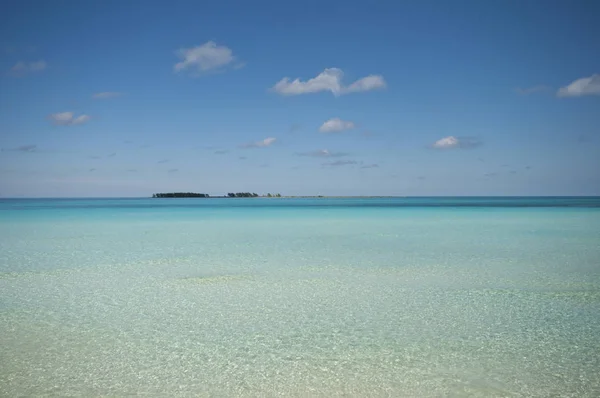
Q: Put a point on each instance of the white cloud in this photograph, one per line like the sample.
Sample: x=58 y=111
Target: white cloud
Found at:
x=446 y=142
x=456 y=142
x=335 y=125
x=24 y=67
x=368 y=83
x=261 y=144
x=328 y=80
x=208 y=56
x=68 y=118
x=107 y=94
x=584 y=86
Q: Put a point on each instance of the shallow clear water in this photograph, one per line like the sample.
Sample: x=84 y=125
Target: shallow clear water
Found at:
x=300 y=297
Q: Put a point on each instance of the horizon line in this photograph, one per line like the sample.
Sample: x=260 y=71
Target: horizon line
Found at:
x=308 y=196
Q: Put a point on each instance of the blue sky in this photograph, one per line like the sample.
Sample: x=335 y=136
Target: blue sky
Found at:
x=127 y=98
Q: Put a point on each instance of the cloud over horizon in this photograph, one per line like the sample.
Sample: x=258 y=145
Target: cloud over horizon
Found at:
x=328 y=80
x=336 y=125
x=206 y=57
x=68 y=119
x=580 y=87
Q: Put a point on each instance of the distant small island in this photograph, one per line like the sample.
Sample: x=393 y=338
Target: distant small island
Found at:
x=204 y=195
x=180 y=195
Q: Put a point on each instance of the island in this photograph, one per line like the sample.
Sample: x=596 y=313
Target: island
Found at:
x=204 y=195
x=180 y=195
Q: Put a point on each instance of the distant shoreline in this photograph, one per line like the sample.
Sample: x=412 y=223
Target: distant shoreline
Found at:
x=322 y=197
x=199 y=196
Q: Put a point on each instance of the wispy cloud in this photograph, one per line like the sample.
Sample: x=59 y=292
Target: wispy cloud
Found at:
x=26 y=148
x=336 y=125
x=242 y=158
x=163 y=161
x=532 y=90
x=90 y=170
x=204 y=58
x=370 y=166
x=340 y=163
x=107 y=95
x=580 y=87
x=328 y=80
x=111 y=155
x=452 y=142
x=322 y=153
x=22 y=148
x=28 y=67
x=68 y=119
x=260 y=144
x=172 y=170
x=221 y=152
x=131 y=170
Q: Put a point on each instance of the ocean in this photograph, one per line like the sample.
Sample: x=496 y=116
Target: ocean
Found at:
x=365 y=297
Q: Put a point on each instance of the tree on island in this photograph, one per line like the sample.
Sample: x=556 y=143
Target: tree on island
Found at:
x=242 y=195
x=180 y=195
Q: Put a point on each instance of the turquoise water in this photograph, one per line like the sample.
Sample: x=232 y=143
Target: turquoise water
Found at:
x=427 y=297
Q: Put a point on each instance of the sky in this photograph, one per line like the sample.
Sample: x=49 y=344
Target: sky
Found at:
x=405 y=98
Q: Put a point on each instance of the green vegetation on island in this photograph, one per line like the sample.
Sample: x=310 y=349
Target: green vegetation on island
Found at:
x=252 y=195
x=242 y=195
x=180 y=195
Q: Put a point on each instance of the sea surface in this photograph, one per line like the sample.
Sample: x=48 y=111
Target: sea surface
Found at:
x=365 y=297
